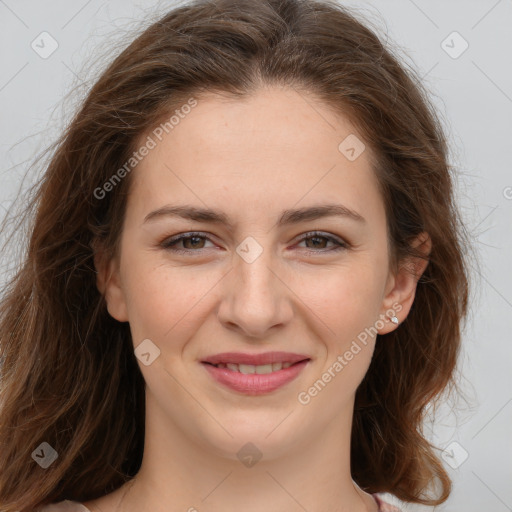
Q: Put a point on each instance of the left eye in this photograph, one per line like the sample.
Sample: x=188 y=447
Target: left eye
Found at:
x=194 y=242
x=317 y=238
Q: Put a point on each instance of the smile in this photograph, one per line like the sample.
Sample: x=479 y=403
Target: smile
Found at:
x=255 y=374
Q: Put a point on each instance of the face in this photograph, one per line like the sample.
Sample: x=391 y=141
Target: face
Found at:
x=253 y=278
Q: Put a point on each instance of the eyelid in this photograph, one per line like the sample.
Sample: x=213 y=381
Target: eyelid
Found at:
x=321 y=234
x=166 y=243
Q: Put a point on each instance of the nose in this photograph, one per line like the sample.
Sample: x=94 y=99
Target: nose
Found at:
x=255 y=299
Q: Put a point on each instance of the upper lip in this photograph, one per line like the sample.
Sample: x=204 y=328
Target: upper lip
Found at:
x=255 y=359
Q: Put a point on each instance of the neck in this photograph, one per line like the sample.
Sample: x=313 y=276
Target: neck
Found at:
x=187 y=474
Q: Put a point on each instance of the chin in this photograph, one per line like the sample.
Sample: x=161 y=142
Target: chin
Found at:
x=256 y=435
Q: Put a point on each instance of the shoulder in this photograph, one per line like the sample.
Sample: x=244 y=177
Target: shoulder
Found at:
x=65 y=506
x=383 y=506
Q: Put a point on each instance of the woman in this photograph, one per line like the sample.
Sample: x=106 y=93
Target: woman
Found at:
x=245 y=277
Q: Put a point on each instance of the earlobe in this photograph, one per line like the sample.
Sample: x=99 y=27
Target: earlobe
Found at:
x=108 y=283
x=400 y=297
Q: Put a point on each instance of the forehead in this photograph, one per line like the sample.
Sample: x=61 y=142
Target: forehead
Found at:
x=268 y=151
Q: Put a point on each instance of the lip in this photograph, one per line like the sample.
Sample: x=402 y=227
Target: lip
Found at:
x=255 y=384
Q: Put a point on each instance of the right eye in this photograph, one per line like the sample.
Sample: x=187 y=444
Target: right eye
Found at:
x=193 y=240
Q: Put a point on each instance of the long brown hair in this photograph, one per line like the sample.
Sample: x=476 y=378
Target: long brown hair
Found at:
x=69 y=376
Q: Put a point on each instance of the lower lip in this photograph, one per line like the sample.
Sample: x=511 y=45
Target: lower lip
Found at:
x=254 y=383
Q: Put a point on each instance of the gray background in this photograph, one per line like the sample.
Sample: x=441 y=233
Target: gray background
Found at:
x=473 y=92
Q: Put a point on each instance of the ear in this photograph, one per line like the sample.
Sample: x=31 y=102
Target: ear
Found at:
x=108 y=282
x=401 y=286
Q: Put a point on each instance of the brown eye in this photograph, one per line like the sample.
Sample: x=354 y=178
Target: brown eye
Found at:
x=191 y=242
x=317 y=242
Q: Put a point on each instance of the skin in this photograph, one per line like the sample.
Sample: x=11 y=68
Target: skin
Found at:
x=252 y=159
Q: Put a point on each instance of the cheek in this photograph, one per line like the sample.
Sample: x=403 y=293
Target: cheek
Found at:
x=346 y=298
x=165 y=302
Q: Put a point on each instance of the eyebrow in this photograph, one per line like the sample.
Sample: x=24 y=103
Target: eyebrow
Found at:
x=288 y=217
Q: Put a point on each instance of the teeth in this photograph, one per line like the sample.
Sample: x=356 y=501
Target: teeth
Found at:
x=264 y=368
x=248 y=369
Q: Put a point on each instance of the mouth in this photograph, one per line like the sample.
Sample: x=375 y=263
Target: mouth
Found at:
x=255 y=374
x=261 y=369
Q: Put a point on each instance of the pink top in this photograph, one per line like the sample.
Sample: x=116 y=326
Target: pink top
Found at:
x=74 y=506
x=383 y=506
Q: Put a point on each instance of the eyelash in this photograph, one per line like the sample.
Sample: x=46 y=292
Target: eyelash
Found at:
x=169 y=243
